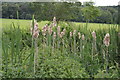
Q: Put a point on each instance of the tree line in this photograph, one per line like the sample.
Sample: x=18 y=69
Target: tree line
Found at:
x=64 y=11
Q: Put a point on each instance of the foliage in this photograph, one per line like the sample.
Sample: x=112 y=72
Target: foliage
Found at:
x=90 y=12
x=69 y=57
x=62 y=10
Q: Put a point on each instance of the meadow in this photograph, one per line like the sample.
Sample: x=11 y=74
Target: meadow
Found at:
x=66 y=50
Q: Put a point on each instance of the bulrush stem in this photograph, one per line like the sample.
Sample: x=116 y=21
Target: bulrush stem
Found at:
x=106 y=41
x=53 y=45
x=107 y=59
x=71 y=45
x=63 y=44
x=74 y=44
x=47 y=40
x=93 y=53
x=80 y=44
x=58 y=42
x=44 y=44
x=93 y=48
x=54 y=37
x=81 y=48
x=35 y=56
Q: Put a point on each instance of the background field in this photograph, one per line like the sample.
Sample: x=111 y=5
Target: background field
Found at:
x=26 y=24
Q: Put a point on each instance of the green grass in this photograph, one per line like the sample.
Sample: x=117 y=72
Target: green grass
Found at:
x=26 y=24
x=23 y=23
x=95 y=26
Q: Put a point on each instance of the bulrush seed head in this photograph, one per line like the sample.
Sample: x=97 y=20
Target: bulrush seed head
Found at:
x=79 y=35
x=35 y=31
x=43 y=33
x=70 y=34
x=44 y=30
x=94 y=34
x=62 y=34
x=36 y=34
x=54 y=21
x=83 y=37
x=64 y=30
x=106 y=40
x=54 y=35
x=58 y=30
x=74 y=32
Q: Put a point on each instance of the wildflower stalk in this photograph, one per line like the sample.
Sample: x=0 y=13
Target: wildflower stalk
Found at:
x=74 y=44
x=74 y=36
x=107 y=59
x=58 y=36
x=35 y=34
x=63 y=44
x=35 y=56
x=82 y=45
x=54 y=36
x=53 y=45
x=44 y=44
x=32 y=47
x=93 y=50
x=93 y=45
x=47 y=40
x=58 y=42
x=106 y=41
x=79 y=36
x=71 y=41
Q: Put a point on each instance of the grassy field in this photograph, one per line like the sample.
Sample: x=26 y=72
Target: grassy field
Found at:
x=23 y=23
x=26 y=24
x=72 y=50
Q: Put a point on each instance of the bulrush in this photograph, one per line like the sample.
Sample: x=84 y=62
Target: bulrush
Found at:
x=74 y=32
x=54 y=21
x=58 y=30
x=106 y=40
x=79 y=35
x=44 y=30
x=54 y=35
x=94 y=34
x=35 y=31
x=36 y=34
x=94 y=49
x=83 y=37
x=70 y=34
x=62 y=34
x=64 y=30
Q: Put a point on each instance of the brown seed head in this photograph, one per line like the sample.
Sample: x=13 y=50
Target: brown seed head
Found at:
x=58 y=30
x=54 y=35
x=74 y=32
x=83 y=37
x=106 y=40
x=94 y=34
x=79 y=35
x=70 y=34
x=54 y=21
